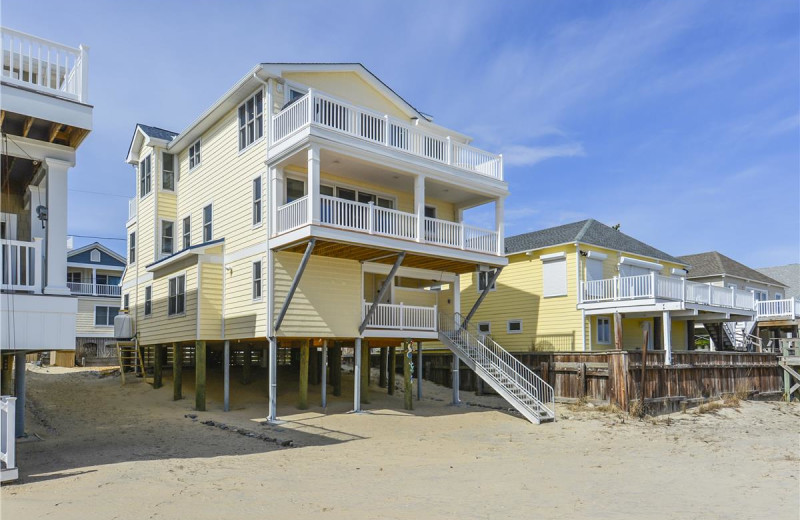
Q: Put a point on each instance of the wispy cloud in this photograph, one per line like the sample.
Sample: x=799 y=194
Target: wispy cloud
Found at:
x=521 y=155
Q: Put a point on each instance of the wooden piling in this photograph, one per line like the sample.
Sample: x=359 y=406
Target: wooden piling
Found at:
x=177 y=372
x=200 y=376
x=408 y=398
x=303 y=394
x=392 y=370
x=382 y=371
x=364 y=372
x=158 y=360
x=618 y=378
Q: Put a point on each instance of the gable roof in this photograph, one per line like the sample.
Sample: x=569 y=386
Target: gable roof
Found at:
x=787 y=274
x=107 y=256
x=142 y=134
x=714 y=263
x=158 y=133
x=588 y=231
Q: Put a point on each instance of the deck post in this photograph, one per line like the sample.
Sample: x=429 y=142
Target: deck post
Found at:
x=456 y=380
x=336 y=368
x=200 y=376
x=157 y=366
x=408 y=397
x=666 y=326
x=392 y=370
x=365 y=372
x=383 y=366
x=357 y=375
x=247 y=362
x=419 y=370
x=177 y=372
x=226 y=384
x=303 y=394
x=7 y=376
x=19 y=392
x=273 y=380
x=324 y=374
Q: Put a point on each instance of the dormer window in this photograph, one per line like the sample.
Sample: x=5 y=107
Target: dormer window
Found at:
x=145 y=177
x=251 y=120
x=194 y=155
x=94 y=256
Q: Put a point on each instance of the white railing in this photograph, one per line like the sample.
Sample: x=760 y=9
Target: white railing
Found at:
x=788 y=308
x=393 y=223
x=8 y=437
x=132 y=209
x=292 y=215
x=44 y=65
x=651 y=286
x=94 y=289
x=21 y=265
x=323 y=110
x=400 y=317
x=482 y=240
x=443 y=232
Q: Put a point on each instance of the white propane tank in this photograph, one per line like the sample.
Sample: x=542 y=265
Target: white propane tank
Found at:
x=123 y=326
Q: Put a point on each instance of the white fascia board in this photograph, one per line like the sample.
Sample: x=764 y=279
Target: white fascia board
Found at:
x=26 y=148
x=46 y=107
x=101 y=267
x=553 y=256
x=640 y=263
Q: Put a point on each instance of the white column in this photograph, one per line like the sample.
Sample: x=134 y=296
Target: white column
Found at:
x=666 y=327
x=226 y=377
x=273 y=380
x=275 y=189
x=56 y=255
x=357 y=376
x=419 y=205
x=499 y=213
x=94 y=281
x=313 y=185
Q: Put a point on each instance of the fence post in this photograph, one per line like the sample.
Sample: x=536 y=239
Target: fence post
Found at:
x=618 y=378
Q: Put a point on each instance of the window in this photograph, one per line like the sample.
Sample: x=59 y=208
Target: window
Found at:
x=485 y=327
x=194 y=155
x=251 y=120
x=295 y=189
x=101 y=279
x=778 y=296
x=257 y=201
x=594 y=269
x=207 y=230
x=94 y=256
x=187 y=232
x=74 y=277
x=514 y=326
x=132 y=248
x=177 y=295
x=759 y=295
x=145 y=177
x=125 y=302
x=167 y=235
x=167 y=171
x=483 y=280
x=554 y=276
x=604 y=330
x=148 y=300
x=257 y=280
x=104 y=316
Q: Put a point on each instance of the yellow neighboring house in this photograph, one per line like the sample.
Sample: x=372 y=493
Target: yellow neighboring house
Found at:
x=310 y=205
x=563 y=285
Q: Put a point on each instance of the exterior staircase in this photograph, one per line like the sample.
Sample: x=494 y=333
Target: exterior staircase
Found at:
x=515 y=382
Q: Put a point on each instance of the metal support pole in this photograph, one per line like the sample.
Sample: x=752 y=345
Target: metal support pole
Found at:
x=19 y=392
x=226 y=392
x=357 y=376
x=456 y=381
x=324 y=374
x=273 y=379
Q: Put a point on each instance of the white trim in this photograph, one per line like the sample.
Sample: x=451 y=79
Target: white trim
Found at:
x=478 y=281
x=553 y=256
x=299 y=176
x=160 y=237
x=198 y=142
x=100 y=267
x=508 y=326
x=678 y=272
x=489 y=323
x=596 y=255
x=203 y=222
x=175 y=159
x=640 y=263
x=145 y=314
x=597 y=330
x=178 y=275
x=94 y=314
x=183 y=231
x=265 y=117
x=260 y=280
x=260 y=223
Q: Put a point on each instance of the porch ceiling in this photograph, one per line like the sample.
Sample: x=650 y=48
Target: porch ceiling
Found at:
x=362 y=253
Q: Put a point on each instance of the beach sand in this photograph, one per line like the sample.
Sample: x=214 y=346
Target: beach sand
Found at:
x=112 y=451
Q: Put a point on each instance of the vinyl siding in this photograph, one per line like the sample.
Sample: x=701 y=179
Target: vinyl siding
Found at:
x=159 y=327
x=245 y=317
x=209 y=325
x=84 y=321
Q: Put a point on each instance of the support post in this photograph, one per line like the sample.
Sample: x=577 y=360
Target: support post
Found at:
x=226 y=384
x=390 y=383
x=324 y=374
x=313 y=183
x=200 y=376
x=247 y=360
x=177 y=372
x=295 y=282
x=313 y=364
x=489 y=283
x=303 y=393
x=365 y=372
x=617 y=331
x=408 y=397
x=357 y=375
x=19 y=392
x=7 y=377
x=667 y=328
x=382 y=293
x=499 y=225
x=456 y=381
x=157 y=366
x=336 y=369
x=419 y=206
x=419 y=370
x=383 y=366
x=56 y=229
x=272 y=414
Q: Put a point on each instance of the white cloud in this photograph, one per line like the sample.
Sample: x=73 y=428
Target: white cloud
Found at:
x=521 y=155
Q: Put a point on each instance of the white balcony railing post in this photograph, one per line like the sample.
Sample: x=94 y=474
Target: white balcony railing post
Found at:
x=371 y=217
x=616 y=284
x=388 y=130
x=683 y=289
x=84 y=73
x=652 y=284
x=402 y=315
x=449 y=157
x=311 y=104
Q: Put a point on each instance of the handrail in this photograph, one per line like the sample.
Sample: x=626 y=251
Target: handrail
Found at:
x=400 y=316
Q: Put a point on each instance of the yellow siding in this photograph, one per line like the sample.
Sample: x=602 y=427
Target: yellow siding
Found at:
x=210 y=315
x=84 y=321
x=159 y=327
x=245 y=317
x=347 y=86
x=328 y=300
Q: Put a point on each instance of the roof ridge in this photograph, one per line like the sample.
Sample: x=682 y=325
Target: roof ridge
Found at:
x=584 y=229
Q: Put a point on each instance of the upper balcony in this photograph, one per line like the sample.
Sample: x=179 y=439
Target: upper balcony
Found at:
x=340 y=119
x=777 y=310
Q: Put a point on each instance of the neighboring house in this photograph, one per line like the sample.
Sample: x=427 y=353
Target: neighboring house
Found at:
x=788 y=274
x=44 y=118
x=564 y=284
x=94 y=273
x=314 y=177
x=776 y=314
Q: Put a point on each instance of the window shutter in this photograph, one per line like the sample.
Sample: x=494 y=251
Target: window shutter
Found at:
x=554 y=277
x=594 y=270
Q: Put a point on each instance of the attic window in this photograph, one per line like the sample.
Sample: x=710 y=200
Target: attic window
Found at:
x=94 y=255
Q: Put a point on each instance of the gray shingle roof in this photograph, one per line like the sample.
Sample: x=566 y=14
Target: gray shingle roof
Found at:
x=158 y=133
x=787 y=274
x=586 y=232
x=714 y=263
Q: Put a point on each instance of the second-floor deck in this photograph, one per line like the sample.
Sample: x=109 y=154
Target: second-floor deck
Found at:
x=771 y=310
x=94 y=289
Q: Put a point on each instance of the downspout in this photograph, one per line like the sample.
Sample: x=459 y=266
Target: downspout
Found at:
x=578 y=293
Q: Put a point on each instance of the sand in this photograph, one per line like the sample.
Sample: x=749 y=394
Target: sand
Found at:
x=112 y=451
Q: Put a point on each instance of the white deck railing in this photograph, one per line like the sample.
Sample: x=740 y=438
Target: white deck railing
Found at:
x=323 y=110
x=400 y=317
x=21 y=265
x=375 y=220
x=656 y=286
x=787 y=308
x=94 y=289
x=8 y=437
x=132 y=209
x=44 y=65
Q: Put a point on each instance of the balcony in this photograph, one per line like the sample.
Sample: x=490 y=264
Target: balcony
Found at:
x=21 y=265
x=401 y=317
x=44 y=66
x=323 y=111
x=374 y=220
x=655 y=287
x=787 y=309
x=94 y=289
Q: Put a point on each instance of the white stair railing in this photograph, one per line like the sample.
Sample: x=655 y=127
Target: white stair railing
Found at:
x=517 y=383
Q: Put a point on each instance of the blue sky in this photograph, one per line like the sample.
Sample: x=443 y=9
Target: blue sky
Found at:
x=678 y=120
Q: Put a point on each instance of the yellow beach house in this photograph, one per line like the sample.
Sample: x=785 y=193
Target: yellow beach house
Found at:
x=309 y=207
x=563 y=286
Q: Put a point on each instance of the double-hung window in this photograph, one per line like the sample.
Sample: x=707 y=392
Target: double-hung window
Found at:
x=126 y=300
x=167 y=172
x=187 y=232
x=257 y=280
x=167 y=237
x=194 y=155
x=251 y=120
x=257 y=201
x=207 y=229
x=604 y=330
x=145 y=177
x=104 y=316
x=74 y=277
x=148 y=300
x=177 y=295
x=132 y=248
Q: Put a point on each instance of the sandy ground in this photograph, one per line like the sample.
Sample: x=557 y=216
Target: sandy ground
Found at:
x=108 y=451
